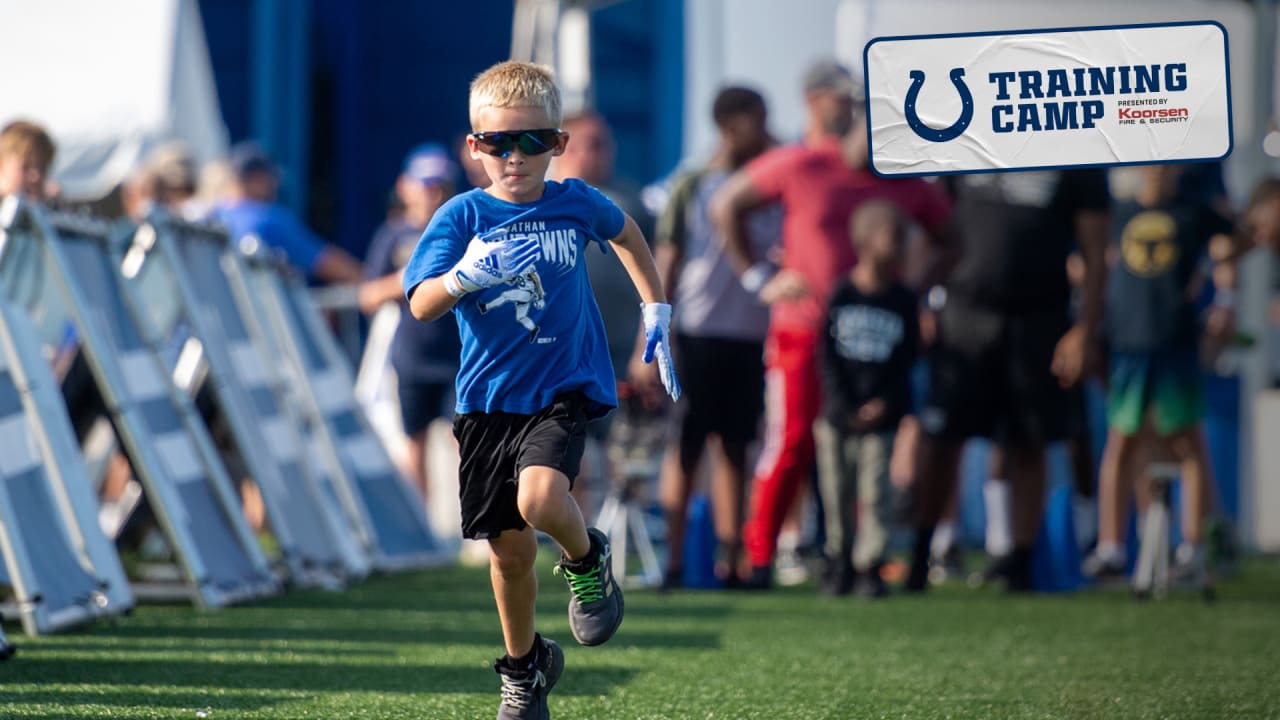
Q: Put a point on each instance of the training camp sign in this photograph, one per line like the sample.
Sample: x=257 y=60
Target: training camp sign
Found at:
x=1037 y=99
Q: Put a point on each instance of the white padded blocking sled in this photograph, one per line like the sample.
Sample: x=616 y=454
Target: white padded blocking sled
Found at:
x=401 y=536
x=59 y=268
x=62 y=568
x=317 y=541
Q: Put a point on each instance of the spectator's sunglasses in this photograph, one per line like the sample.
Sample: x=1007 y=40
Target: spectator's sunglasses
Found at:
x=500 y=143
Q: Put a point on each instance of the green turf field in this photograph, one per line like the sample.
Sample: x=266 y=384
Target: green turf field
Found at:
x=419 y=646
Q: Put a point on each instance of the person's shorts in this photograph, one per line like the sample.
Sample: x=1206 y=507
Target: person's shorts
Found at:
x=421 y=402
x=495 y=447
x=1164 y=384
x=722 y=384
x=989 y=376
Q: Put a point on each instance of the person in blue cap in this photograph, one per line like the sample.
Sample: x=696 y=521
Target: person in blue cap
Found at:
x=251 y=209
x=423 y=355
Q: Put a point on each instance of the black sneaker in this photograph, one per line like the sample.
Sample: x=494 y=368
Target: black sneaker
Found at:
x=672 y=579
x=917 y=578
x=595 y=600
x=761 y=578
x=1017 y=578
x=837 y=577
x=869 y=585
x=994 y=570
x=525 y=689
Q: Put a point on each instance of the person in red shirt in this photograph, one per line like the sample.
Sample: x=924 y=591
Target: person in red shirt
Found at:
x=819 y=183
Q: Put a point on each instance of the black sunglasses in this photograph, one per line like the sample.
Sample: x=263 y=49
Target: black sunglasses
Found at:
x=499 y=143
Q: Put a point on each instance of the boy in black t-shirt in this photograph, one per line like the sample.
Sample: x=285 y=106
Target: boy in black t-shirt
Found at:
x=1154 y=394
x=867 y=354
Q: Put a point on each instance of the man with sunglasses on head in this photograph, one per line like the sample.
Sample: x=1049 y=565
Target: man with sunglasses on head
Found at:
x=524 y=399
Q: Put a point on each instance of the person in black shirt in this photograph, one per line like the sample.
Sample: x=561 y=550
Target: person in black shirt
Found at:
x=1005 y=349
x=1154 y=394
x=867 y=352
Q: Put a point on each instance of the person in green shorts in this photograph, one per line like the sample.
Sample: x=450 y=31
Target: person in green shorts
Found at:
x=1154 y=401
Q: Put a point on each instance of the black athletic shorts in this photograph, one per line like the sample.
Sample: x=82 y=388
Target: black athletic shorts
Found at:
x=495 y=447
x=421 y=402
x=722 y=384
x=989 y=376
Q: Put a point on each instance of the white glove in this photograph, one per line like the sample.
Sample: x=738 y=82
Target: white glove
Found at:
x=657 y=322
x=492 y=258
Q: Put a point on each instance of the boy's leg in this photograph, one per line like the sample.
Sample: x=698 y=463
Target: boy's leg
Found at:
x=545 y=503
x=532 y=664
x=1116 y=480
x=1120 y=468
x=1178 y=407
x=595 y=603
x=875 y=502
x=1192 y=452
x=515 y=587
x=836 y=486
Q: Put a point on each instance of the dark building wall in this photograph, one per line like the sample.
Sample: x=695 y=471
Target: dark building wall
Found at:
x=384 y=76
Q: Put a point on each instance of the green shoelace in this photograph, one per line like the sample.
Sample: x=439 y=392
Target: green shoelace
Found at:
x=585 y=586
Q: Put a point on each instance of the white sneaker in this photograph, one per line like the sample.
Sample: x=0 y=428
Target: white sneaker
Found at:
x=790 y=568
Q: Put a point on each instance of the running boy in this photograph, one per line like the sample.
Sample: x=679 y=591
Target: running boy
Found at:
x=524 y=396
x=867 y=354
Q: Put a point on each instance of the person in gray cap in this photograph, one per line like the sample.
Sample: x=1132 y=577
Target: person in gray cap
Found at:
x=423 y=355
x=819 y=183
x=252 y=209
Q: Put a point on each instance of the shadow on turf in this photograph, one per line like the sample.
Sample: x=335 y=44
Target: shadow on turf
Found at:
x=191 y=701
x=244 y=638
x=299 y=677
x=244 y=646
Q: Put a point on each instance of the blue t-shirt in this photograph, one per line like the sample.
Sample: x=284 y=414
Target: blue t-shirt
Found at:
x=276 y=227
x=423 y=352
x=541 y=335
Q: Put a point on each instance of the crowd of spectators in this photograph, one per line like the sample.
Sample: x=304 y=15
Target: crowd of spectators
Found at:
x=834 y=329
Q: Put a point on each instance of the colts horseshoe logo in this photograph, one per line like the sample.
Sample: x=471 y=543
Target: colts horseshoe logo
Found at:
x=948 y=133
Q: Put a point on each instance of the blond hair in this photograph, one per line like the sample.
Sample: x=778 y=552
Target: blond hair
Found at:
x=27 y=139
x=514 y=84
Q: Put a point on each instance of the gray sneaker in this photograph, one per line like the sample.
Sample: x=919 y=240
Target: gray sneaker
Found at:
x=524 y=690
x=595 y=602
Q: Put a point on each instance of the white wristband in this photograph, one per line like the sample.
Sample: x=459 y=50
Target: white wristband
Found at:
x=1224 y=298
x=756 y=276
x=451 y=285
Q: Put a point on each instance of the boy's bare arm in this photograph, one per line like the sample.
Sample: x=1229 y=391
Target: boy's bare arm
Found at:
x=430 y=300
x=634 y=253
